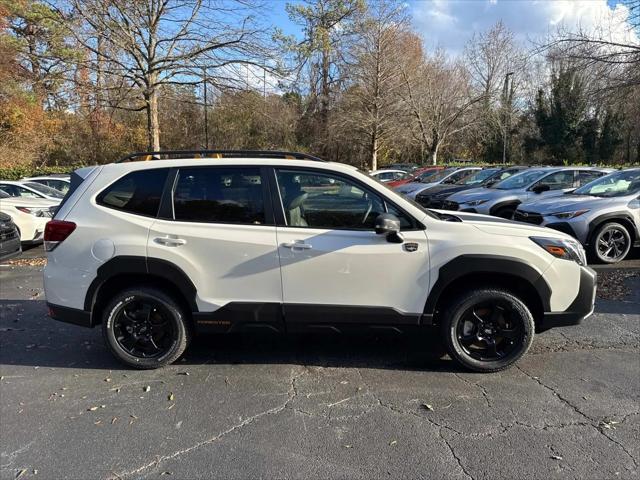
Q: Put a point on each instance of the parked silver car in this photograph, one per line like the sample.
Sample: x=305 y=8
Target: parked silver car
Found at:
x=448 y=176
x=533 y=184
x=603 y=215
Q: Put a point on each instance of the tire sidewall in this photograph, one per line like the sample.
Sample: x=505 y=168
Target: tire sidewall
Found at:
x=176 y=317
x=461 y=305
x=598 y=234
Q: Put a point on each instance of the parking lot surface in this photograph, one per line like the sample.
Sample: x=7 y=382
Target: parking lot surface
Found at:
x=315 y=407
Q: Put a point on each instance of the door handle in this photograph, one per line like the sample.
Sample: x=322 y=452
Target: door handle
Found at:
x=170 y=241
x=298 y=244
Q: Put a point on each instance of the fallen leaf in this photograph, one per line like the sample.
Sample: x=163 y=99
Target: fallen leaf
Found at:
x=426 y=406
x=113 y=420
x=21 y=473
x=184 y=373
x=98 y=422
x=166 y=473
x=92 y=409
x=556 y=457
x=133 y=416
x=392 y=443
x=171 y=397
x=103 y=406
x=147 y=388
x=107 y=379
x=171 y=406
x=348 y=446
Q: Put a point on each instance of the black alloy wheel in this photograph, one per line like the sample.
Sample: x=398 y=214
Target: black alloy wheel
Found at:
x=487 y=330
x=145 y=328
x=490 y=330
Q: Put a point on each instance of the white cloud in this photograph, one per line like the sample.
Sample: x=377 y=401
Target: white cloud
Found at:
x=449 y=24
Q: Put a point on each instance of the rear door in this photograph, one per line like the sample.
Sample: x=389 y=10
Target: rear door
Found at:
x=217 y=226
x=335 y=269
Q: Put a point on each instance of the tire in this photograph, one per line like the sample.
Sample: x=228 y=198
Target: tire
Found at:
x=505 y=212
x=513 y=319
x=617 y=240
x=163 y=325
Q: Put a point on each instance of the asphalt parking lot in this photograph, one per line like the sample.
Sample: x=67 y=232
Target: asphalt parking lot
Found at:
x=316 y=407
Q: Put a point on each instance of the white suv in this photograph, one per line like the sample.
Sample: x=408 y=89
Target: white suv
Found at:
x=154 y=251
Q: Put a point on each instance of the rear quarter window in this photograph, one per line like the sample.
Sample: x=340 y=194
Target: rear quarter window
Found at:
x=137 y=192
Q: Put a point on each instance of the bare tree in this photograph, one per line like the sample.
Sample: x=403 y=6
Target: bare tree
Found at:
x=438 y=97
x=611 y=49
x=371 y=104
x=145 y=44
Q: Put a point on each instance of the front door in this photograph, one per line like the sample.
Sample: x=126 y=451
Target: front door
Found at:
x=334 y=267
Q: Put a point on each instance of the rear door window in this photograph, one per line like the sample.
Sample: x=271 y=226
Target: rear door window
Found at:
x=219 y=195
x=137 y=192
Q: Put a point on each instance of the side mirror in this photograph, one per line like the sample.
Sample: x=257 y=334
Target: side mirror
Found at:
x=389 y=225
x=541 y=188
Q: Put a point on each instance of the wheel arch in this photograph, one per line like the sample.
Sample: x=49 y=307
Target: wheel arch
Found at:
x=508 y=273
x=623 y=218
x=506 y=203
x=124 y=272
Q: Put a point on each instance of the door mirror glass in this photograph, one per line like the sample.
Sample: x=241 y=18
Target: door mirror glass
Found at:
x=389 y=225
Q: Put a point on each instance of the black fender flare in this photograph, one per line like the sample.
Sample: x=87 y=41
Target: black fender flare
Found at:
x=489 y=265
x=621 y=217
x=154 y=267
x=506 y=203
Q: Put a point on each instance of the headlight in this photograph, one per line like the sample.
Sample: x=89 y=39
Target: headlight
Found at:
x=473 y=203
x=568 y=215
x=563 y=248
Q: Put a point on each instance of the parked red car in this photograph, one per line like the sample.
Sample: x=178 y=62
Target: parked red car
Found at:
x=418 y=174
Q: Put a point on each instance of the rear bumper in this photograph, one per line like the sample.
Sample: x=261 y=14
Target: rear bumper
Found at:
x=70 y=315
x=581 y=307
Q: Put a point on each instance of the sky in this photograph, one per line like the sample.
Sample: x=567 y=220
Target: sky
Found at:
x=449 y=24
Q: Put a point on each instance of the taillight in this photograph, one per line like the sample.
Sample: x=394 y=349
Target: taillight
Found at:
x=55 y=232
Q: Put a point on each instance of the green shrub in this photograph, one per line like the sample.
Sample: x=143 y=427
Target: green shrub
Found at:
x=18 y=172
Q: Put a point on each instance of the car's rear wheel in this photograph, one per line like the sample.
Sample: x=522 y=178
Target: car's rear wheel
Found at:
x=610 y=243
x=145 y=328
x=487 y=330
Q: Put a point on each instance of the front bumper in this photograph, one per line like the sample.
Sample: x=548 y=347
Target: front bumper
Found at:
x=581 y=307
x=10 y=248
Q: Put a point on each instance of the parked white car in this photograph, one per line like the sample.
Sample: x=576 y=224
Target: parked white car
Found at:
x=156 y=250
x=30 y=190
x=29 y=214
x=388 y=175
x=57 y=182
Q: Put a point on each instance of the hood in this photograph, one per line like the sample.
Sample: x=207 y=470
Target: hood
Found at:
x=504 y=227
x=477 y=194
x=568 y=203
x=413 y=187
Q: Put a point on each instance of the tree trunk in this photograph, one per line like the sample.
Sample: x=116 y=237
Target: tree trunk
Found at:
x=435 y=145
x=374 y=153
x=153 y=126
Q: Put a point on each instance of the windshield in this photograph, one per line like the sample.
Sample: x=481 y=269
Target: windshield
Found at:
x=476 y=178
x=4 y=194
x=48 y=191
x=521 y=180
x=421 y=177
x=439 y=175
x=618 y=184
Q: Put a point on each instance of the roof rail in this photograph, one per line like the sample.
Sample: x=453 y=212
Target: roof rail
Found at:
x=178 y=154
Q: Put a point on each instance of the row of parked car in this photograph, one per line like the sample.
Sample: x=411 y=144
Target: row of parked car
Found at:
x=25 y=208
x=598 y=206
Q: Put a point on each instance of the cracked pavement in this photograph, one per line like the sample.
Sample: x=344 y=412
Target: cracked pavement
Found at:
x=315 y=407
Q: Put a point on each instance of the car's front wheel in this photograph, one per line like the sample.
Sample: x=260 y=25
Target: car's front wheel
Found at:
x=610 y=243
x=487 y=330
x=145 y=328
